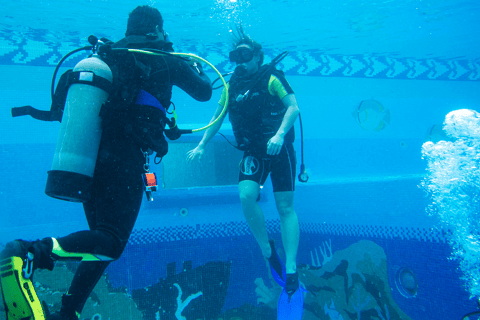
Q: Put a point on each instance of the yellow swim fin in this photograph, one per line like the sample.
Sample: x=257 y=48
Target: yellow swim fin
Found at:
x=19 y=296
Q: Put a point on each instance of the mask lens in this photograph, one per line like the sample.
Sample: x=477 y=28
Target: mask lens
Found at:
x=241 y=55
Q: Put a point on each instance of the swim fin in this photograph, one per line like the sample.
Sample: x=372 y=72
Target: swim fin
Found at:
x=19 y=297
x=277 y=267
x=290 y=307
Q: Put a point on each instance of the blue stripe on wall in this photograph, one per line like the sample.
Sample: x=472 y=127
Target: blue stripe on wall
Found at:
x=307 y=63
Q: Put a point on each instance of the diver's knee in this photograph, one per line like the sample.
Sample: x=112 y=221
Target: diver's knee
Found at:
x=118 y=249
x=286 y=211
x=111 y=254
x=248 y=197
x=117 y=254
x=112 y=245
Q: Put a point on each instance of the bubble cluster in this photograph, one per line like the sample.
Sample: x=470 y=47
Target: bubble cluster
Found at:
x=463 y=123
x=453 y=186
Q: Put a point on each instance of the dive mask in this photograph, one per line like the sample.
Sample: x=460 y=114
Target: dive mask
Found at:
x=241 y=55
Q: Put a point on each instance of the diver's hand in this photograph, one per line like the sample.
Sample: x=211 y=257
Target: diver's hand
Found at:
x=195 y=154
x=274 y=145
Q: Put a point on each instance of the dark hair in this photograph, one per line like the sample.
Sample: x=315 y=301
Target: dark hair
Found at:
x=143 y=20
x=242 y=38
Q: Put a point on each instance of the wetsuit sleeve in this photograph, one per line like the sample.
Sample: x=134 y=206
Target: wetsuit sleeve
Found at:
x=278 y=86
x=190 y=79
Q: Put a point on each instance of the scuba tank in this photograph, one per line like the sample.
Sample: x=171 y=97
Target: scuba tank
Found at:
x=76 y=104
x=71 y=174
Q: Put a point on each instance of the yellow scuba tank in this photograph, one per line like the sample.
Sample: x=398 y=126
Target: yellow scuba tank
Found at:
x=71 y=174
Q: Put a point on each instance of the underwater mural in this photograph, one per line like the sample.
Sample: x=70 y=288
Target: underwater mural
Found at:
x=349 y=284
x=192 y=294
x=103 y=303
x=371 y=115
x=197 y=293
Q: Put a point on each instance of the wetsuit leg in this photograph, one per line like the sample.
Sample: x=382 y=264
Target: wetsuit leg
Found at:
x=283 y=169
x=254 y=166
x=111 y=215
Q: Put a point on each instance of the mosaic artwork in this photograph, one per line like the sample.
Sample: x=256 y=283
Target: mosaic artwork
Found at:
x=297 y=63
x=348 y=284
x=345 y=284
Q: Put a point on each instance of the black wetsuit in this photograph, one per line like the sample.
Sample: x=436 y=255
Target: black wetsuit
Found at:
x=118 y=186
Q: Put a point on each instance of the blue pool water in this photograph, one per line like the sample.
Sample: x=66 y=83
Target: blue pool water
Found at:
x=374 y=82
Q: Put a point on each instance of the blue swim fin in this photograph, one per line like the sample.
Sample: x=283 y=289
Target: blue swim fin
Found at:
x=290 y=308
x=277 y=267
x=293 y=309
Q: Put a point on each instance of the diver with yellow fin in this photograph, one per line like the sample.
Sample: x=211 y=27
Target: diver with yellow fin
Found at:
x=113 y=112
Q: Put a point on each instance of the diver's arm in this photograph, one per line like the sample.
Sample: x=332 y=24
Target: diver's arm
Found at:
x=290 y=116
x=275 y=143
x=212 y=131
x=189 y=77
x=208 y=135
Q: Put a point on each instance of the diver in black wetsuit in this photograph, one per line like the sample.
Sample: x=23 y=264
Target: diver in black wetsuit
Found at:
x=127 y=134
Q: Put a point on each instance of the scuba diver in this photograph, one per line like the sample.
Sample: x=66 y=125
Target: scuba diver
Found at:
x=133 y=123
x=262 y=110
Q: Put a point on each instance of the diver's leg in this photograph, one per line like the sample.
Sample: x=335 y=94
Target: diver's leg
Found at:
x=85 y=279
x=291 y=301
x=249 y=191
x=283 y=181
x=89 y=272
x=111 y=216
x=289 y=227
x=254 y=170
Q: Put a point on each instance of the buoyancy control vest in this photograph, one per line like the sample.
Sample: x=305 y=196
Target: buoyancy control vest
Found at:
x=257 y=117
x=140 y=96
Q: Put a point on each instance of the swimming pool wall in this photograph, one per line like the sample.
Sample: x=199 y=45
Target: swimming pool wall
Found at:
x=363 y=183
